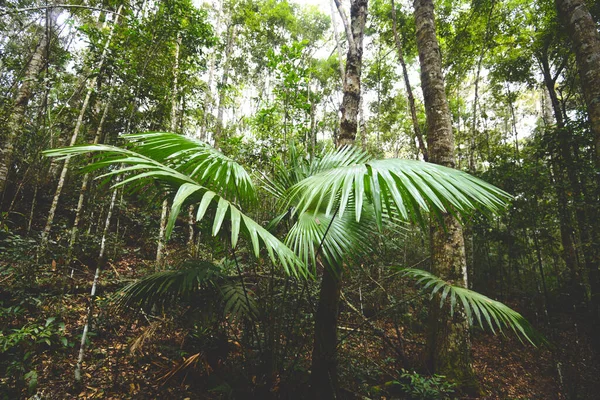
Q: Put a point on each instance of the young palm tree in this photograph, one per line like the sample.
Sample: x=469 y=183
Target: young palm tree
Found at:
x=337 y=202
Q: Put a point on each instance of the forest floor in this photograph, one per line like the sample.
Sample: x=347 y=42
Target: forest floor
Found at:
x=143 y=357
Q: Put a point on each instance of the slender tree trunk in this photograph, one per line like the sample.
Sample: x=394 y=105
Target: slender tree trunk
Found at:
x=223 y=87
x=84 y=185
x=161 y=247
x=90 y=88
x=33 y=201
x=448 y=342
x=324 y=379
x=561 y=164
x=409 y=92
x=90 y=310
x=338 y=45
x=351 y=101
x=14 y=125
x=208 y=98
x=175 y=92
x=586 y=45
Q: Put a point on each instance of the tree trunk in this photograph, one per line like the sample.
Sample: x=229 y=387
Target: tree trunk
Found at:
x=90 y=88
x=448 y=342
x=561 y=164
x=355 y=32
x=84 y=185
x=324 y=356
x=208 y=98
x=161 y=247
x=323 y=375
x=409 y=92
x=90 y=310
x=223 y=87
x=586 y=45
x=14 y=125
x=338 y=45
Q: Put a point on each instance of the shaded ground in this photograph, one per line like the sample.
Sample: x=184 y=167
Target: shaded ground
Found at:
x=150 y=357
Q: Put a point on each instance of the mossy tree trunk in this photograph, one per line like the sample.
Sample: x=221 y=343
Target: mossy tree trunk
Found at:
x=448 y=343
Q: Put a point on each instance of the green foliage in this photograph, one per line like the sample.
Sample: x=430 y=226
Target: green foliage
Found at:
x=198 y=282
x=19 y=347
x=420 y=387
x=32 y=334
x=476 y=306
x=146 y=165
x=405 y=188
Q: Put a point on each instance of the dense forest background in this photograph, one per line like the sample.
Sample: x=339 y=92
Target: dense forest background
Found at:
x=357 y=273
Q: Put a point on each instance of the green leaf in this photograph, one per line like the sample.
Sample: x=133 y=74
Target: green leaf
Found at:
x=495 y=314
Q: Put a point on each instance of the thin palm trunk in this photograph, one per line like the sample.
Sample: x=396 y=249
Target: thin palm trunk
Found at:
x=324 y=379
x=448 y=342
x=63 y=175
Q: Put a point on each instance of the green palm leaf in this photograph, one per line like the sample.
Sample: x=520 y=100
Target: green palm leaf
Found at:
x=335 y=238
x=298 y=168
x=198 y=160
x=239 y=302
x=406 y=187
x=495 y=314
x=140 y=168
x=169 y=287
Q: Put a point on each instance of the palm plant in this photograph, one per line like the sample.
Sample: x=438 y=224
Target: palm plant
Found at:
x=341 y=199
x=336 y=203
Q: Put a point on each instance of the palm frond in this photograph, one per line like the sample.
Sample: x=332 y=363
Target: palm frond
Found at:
x=168 y=287
x=495 y=314
x=334 y=237
x=239 y=301
x=407 y=187
x=140 y=168
x=298 y=168
x=197 y=160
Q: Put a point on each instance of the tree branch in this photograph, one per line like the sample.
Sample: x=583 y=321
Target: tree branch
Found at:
x=351 y=45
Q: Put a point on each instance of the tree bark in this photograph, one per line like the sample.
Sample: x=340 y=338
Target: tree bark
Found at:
x=338 y=45
x=586 y=46
x=14 y=125
x=160 y=248
x=208 y=98
x=355 y=32
x=448 y=342
x=409 y=92
x=563 y=163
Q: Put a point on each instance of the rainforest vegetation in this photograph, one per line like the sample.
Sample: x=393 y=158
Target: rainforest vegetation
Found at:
x=286 y=199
